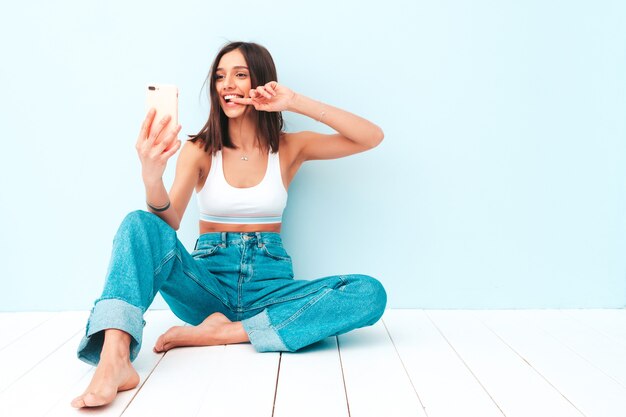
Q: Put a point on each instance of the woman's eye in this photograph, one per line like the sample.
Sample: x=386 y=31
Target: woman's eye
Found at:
x=242 y=74
x=219 y=76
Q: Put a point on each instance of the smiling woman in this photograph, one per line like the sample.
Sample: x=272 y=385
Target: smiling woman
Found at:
x=251 y=197
x=238 y=284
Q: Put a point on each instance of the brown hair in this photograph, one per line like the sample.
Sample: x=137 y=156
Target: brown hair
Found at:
x=214 y=134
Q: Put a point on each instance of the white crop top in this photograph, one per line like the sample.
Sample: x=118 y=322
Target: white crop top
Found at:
x=219 y=202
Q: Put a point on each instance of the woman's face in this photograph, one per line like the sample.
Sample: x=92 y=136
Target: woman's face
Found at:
x=232 y=77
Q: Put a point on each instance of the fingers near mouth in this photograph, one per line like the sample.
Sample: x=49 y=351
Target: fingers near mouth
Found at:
x=232 y=98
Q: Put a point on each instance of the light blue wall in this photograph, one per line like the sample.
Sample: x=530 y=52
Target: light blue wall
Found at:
x=500 y=183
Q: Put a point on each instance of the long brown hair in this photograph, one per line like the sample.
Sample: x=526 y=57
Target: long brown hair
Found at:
x=214 y=134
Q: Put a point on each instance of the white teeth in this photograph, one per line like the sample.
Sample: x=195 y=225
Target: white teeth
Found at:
x=231 y=96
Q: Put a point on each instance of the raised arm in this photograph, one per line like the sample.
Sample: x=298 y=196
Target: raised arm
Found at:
x=154 y=150
x=354 y=133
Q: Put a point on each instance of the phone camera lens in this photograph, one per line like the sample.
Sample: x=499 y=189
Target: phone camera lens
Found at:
x=152 y=88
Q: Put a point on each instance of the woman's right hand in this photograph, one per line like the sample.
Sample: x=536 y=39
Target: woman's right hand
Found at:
x=155 y=145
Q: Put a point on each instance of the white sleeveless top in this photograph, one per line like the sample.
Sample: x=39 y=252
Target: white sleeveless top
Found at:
x=219 y=202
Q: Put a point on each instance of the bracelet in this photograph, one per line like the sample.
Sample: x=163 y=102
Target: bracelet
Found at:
x=159 y=209
x=321 y=116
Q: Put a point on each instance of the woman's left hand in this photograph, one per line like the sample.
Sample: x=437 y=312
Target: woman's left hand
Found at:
x=269 y=97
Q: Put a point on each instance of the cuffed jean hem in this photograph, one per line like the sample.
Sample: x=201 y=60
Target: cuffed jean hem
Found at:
x=111 y=314
x=262 y=335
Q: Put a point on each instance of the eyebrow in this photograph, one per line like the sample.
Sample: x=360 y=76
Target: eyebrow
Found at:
x=235 y=67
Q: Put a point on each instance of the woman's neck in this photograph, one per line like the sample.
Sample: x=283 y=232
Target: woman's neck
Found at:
x=243 y=131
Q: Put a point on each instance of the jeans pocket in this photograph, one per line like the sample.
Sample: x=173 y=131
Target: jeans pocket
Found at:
x=205 y=251
x=277 y=252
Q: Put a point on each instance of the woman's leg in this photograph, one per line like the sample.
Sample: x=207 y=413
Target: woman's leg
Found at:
x=147 y=256
x=114 y=372
x=304 y=312
x=216 y=329
x=279 y=313
x=219 y=253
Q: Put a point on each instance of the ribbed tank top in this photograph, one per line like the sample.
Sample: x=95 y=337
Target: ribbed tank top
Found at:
x=220 y=202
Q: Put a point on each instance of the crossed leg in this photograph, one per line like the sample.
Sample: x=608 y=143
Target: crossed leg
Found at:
x=216 y=329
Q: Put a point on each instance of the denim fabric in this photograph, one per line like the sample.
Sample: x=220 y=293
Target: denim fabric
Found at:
x=246 y=276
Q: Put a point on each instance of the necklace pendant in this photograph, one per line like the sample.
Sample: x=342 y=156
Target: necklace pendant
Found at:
x=244 y=158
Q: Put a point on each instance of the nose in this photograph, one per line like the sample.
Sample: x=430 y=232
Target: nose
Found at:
x=228 y=82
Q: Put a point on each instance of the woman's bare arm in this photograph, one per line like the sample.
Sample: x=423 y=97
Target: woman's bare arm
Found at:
x=354 y=133
x=187 y=174
x=155 y=145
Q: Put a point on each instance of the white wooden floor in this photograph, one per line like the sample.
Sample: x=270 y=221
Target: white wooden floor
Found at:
x=527 y=363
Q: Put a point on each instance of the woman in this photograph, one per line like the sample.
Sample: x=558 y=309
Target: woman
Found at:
x=237 y=285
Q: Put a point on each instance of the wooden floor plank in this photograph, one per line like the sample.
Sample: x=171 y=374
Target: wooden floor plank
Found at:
x=610 y=322
x=518 y=390
x=438 y=374
x=46 y=383
x=177 y=385
x=376 y=382
x=311 y=376
x=36 y=345
x=157 y=322
x=15 y=325
x=598 y=349
x=594 y=393
x=242 y=385
x=529 y=362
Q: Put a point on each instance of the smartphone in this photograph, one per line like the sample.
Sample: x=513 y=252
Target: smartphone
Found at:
x=164 y=98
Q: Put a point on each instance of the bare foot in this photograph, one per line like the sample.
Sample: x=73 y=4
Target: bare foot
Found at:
x=216 y=329
x=111 y=376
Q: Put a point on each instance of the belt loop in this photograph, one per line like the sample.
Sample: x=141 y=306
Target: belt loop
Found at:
x=224 y=239
x=258 y=239
x=195 y=247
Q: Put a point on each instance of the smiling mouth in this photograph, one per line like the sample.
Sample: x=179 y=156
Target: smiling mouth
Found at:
x=229 y=97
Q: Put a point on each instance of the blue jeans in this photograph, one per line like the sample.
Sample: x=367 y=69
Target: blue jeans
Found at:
x=246 y=276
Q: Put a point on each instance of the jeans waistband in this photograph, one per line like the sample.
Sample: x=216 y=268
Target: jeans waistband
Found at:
x=230 y=238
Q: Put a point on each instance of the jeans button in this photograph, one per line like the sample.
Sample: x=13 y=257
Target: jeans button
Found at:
x=246 y=237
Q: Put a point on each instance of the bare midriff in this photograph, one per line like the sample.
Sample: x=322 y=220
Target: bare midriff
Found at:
x=210 y=227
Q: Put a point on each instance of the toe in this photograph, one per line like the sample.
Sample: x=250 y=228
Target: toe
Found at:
x=167 y=346
x=78 y=402
x=93 y=400
x=90 y=400
x=158 y=346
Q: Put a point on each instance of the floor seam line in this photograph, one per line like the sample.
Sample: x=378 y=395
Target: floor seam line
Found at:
x=599 y=331
x=406 y=371
x=41 y=360
x=464 y=363
x=280 y=359
x=27 y=332
x=140 y=386
x=575 y=352
x=531 y=366
x=343 y=377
